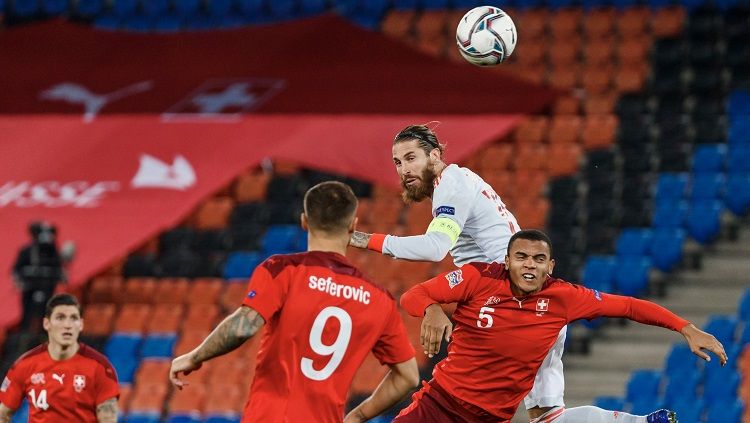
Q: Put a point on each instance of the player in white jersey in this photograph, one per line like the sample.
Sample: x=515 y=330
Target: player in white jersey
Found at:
x=472 y=223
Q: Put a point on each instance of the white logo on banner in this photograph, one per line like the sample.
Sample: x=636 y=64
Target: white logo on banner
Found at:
x=55 y=193
x=154 y=173
x=225 y=99
x=235 y=95
x=92 y=103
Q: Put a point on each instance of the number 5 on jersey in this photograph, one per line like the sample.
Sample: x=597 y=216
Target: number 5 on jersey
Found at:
x=485 y=320
x=335 y=350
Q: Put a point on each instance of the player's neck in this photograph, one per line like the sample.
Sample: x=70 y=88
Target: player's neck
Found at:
x=331 y=245
x=59 y=352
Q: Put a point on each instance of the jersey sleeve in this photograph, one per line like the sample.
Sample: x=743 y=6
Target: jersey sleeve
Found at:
x=266 y=293
x=585 y=303
x=451 y=287
x=393 y=346
x=12 y=389
x=107 y=385
x=432 y=246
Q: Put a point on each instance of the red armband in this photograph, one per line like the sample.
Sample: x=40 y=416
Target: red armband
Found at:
x=376 y=242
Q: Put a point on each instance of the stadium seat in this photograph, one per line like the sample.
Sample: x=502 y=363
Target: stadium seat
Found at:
x=123 y=345
x=565 y=129
x=233 y=294
x=744 y=339
x=739 y=104
x=709 y=158
x=165 y=318
x=645 y=405
x=634 y=242
x=154 y=8
x=158 y=345
x=599 y=273
x=54 y=7
x=125 y=367
x=105 y=289
x=704 y=221
x=204 y=291
x=739 y=131
x=601 y=104
x=214 y=213
x=186 y=8
x=143 y=417
x=723 y=327
x=738 y=185
x=99 y=318
x=188 y=401
x=670 y=214
x=241 y=264
x=219 y=8
x=599 y=131
x=671 y=186
x=682 y=387
x=89 y=8
x=667 y=248
x=564 y=159
x=707 y=186
x=632 y=21
x=181 y=417
x=688 y=410
x=743 y=309
x=643 y=384
x=222 y=418
x=496 y=157
x=282 y=239
x=680 y=359
x=139 y=291
x=152 y=371
x=738 y=159
x=635 y=281
x=132 y=318
x=725 y=412
x=167 y=23
x=668 y=21
x=149 y=398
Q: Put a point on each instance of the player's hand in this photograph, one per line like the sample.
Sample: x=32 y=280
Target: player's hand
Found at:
x=435 y=325
x=699 y=341
x=183 y=364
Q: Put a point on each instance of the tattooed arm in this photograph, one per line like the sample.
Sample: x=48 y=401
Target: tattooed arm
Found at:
x=106 y=412
x=359 y=239
x=237 y=328
x=5 y=413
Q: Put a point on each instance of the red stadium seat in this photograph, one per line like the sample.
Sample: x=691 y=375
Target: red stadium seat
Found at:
x=418 y=216
x=668 y=22
x=565 y=129
x=535 y=74
x=633 y=22
x=529 y=183
x=387 y=210
x=565 y=22
x=633 y=50
x=105 y=289
x=149 y=397
x=597 y=79
x=139 y=290
x=224 y=398
x=599 y=52
x=251 y=186
x=123 y=403
x=630 y=79
x=434 y=46
x=204 y=291
x=190 y=338
x=564 y=159
x=214 y=213
x=563 y=52
x=599 y=23
x=564 y=77
x=495 y=157
x=201 y=316
x=165 y=318
x=531 y=156
x=532 y=23
x=132 y=318
x=533 y=53
x=532 y=131
x=171 y=291
x=233 y=295
x=600 y=104
x=567 y=105
x=152 y=372
x=501 y=182
x=599 y=131
x=98 y=318
x=531 y=212
x=189 y=400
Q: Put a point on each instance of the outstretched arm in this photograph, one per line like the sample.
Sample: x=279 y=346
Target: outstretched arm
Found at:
x=431 y=246
x=699 y=340
x=106 y=412
x=232 y=332
x=5 y=413
x=402 y=378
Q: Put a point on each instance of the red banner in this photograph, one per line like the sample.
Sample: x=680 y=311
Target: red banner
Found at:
x=111 y=184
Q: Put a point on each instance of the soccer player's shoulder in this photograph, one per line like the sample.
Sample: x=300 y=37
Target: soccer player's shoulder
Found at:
x=486 y=270
x=30 y=356
x=98 y=359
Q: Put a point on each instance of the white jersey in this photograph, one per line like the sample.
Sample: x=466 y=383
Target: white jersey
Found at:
x=469 y=219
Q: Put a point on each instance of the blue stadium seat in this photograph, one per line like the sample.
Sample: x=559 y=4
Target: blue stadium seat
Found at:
x=55 y=7
x=667 y=248
x=124 y=8
x=634 y=242
x=374 y=8
x=599 y=273
x=370 y=22
x=186 y=7
x=738 y=159
x=739 y=131
x=745 y=336
x=107 y=21
x=282 y=239
x=282 y=9
x=240 y=264
x=609 y=403
x=154 y=8
x=167 y=23
x=405 y=4
x=184 y=418
x=313 y=7
x=643 y=384
x=723 y=327
x=221 y=418
x=142 y=417
x=623 y=4
x=196 y=22
x=680 y=360
x=671 y=187
x=219 y=8
x=707 y=186
x=89 y=7
x=724 y=412
x=633 y=279
x=466 y=4
x=682 y=386
x=251 y=8
x=709 y=158
x=670 y=214
x=158 y=345
x=25 y=8
x=122 y=345
x=737 y=196
x=704 y=221
x=688 y=411
x=434 y=4
x=739 y=104
x=658 y=4
x=125 y=368
x=138 y=23
x=743 y=309
x=645 y=405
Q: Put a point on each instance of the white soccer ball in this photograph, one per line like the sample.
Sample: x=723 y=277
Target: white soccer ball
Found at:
x=486 y=36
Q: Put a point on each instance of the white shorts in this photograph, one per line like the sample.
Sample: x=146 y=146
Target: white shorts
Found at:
x=549 y=384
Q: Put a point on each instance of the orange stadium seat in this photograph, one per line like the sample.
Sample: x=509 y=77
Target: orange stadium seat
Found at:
x=165 y=318
x=599 y=52
x=532 y=23
x=189 y=339
x=139 y=290
x=495 y=157
x=431 y=24
x=251 y=186
x=285 y=168
x=535 y=74
x=434 y=46
x=599 y=23
x=233 y=295
x=567 y=105
x=132 y=318
x=232 y=369
x=599 y=131
x=600 y=104
x=190 y=400
x=529 y=183
x=633 y=50
x=123 y=403
x=531 y=156
x=149 y=397
x=633 y=22
x=597 y=80
x=171 y=291
x=564 y=77
x=368 y=376
x=224 y=398
x=98 y=318
x=532 y=130
x=204 y=291
x=152 y=371
x=562 y=53
x=398 y=24
x=565 y=129
x=668 y=22
x=533 y=53
x=201 y=316
x=501 y=182
x=564 y=159
x=214 y=213
x=565 y=22
x=531 y=212
x=105 y=289
x=630 y=79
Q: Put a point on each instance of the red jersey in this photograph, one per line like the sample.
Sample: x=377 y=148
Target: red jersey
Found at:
x=499 y=341
x=60 y=391
x=322 y=319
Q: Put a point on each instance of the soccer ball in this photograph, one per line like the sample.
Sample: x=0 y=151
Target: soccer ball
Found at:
x=486 y=36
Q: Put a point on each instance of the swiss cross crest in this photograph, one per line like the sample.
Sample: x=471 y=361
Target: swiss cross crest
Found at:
x=454 y=278
x=79 y=382
x=542 y=304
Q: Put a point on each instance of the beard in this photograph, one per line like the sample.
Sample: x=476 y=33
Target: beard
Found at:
x=417 y=193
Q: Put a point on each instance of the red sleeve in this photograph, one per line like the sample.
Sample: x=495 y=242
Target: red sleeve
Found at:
x=393 y=346
x=265 y=293
x=12 y=389
x=451 y=287
x=587 y=303
x=108 y=387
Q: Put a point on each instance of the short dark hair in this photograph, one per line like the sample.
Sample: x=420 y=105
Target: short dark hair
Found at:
x=61 y=300
x=330 y=206
x=531 y=235
x=424 y=136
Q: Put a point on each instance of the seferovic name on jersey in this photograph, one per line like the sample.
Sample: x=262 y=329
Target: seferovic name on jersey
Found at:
x=331 y=287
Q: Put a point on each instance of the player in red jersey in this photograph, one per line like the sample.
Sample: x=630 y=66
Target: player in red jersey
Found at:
x=507 y=318
x=63 y=380
x=323 y=318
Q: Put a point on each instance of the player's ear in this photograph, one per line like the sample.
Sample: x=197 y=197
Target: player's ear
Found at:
x=45 y=323
x=551 y=266
x=303 y=221
x=507 y=261
x=435 y=155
